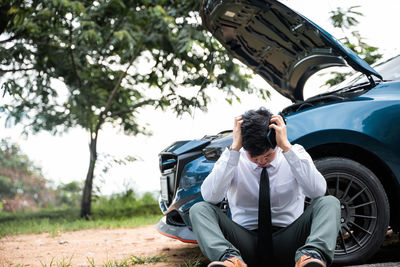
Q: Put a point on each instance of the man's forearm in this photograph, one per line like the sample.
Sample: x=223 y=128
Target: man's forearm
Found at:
x=306 y=174
x=217 y=183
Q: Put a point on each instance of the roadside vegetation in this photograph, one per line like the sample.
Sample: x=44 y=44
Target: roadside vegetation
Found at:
x=121 y=210
x=30 y=204
x=127 y=262
x=132 y=260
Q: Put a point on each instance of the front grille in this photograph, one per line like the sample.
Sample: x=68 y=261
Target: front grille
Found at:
x=168 y=163
x=171 y=167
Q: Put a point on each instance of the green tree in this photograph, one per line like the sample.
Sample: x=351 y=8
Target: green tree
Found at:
x=21 y=180
x=346 y=20
x=68 y=194
x=112 y=58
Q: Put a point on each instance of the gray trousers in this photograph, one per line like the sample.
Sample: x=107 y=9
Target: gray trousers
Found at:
x=316 y=230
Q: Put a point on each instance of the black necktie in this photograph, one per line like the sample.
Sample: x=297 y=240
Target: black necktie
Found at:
x=264 y=245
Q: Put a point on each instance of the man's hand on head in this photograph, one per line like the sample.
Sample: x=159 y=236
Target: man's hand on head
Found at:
x=279 y=126
x=237 y=134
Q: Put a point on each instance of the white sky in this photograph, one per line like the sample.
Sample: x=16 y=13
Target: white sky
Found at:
x=65 y=158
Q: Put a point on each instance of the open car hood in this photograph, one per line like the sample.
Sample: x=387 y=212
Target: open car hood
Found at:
x=278 y=43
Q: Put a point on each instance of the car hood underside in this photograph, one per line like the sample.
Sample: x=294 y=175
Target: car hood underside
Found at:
x=279 y=44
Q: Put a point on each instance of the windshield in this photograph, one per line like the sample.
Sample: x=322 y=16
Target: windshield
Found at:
x=389 y=69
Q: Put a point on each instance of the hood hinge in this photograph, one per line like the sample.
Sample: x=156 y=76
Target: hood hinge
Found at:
x=371 y=80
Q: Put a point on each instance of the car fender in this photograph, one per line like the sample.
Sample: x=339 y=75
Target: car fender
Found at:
x=372 y=126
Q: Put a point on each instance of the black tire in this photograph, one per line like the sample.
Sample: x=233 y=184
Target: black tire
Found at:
x=365 y=209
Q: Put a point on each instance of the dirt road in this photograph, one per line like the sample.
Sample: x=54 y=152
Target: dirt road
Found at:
x=101 y=247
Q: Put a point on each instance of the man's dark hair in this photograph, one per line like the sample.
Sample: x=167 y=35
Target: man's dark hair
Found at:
x=254 y=131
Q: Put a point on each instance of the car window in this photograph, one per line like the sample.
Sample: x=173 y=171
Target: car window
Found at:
x=390 y=71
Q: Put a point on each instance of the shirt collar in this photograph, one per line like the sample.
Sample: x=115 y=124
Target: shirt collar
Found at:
x=273 y=163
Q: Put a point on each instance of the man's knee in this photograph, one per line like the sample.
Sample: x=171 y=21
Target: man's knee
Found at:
x=200 y=208
x=328 y=202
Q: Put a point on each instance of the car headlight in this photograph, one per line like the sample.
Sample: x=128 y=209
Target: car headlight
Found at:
x=167 y=161
x=213 y=152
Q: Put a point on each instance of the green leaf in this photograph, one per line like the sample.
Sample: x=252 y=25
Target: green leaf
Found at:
x=114 y=58
x=13 y=10
x=159 y=10
x=78 y=7
x=346 y=20
x=65 y=3
x=18 y=20
x=119 y=3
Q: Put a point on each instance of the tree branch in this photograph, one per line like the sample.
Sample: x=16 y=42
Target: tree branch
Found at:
x=72 y=55
x=133 y=107
x=115 y=90
x=16 y=70
x=118 y=85
x=11 y=38
x=117 y=25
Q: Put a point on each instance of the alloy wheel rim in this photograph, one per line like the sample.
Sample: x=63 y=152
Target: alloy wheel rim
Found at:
x=358 y=211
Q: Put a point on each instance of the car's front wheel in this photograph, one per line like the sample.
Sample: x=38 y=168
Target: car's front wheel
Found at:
x=364 y=208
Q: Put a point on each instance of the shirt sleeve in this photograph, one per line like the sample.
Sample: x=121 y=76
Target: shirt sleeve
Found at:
x=216 y=184
x=306 y=174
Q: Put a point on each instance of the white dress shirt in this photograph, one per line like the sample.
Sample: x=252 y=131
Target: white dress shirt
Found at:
x=292 y=176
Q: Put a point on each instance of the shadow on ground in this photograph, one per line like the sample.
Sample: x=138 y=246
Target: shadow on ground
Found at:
x=188 y=256
x=389 y=252
x=388 y=255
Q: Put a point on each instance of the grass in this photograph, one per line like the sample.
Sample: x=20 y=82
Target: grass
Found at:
x=55 y=226
x=196 y=262
x=65 y=262
x=115 y=212
x=145 y=260
x=127 y=262
x=118 y=211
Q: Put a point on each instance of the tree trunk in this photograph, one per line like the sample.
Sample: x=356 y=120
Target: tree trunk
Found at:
x=87 y=190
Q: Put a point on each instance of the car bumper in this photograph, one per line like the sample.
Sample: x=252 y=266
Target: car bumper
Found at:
x=182 y=233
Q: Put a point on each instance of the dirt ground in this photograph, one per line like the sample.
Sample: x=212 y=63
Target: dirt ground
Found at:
x=107 y=246
x=101 y=245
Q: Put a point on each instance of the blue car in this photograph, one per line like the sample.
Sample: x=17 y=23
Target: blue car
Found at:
x=352 y=133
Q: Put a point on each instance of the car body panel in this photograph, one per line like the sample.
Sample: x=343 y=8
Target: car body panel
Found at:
x=181 y=147
x=370 y=123
x=281 y=45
